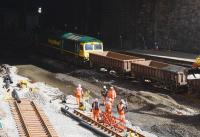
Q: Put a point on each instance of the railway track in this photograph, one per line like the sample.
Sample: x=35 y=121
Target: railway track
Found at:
x=109 y=131
x=31 y=120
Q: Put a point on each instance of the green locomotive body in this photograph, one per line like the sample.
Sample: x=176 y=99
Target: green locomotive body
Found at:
x=69 y=46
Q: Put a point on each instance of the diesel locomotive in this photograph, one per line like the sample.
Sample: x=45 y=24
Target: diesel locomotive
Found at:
x=69 y=46
x=81 y=49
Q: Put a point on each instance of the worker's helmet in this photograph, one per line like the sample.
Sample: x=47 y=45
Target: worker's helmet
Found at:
x=122 y=101
x=111 y=87
x=104 y=87
x=79 y=85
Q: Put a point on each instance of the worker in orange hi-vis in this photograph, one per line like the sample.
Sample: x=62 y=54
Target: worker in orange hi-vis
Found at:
x=96 y=109
x=121 y=109
x=112 y=94
x=108 y=106
x=78 y=94
x=104 y=93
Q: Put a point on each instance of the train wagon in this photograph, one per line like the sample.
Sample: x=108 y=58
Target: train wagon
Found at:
x=120 y=63
x=161 y=74
x=69 y=46
x=194 y=86
x=194 y=83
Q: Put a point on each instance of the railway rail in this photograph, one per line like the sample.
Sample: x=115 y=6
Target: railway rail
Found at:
x=31 y=120
x=110 y=131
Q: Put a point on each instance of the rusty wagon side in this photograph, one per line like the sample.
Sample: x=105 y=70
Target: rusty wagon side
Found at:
x=194 y=85
x=113 y=61
x=163 y=74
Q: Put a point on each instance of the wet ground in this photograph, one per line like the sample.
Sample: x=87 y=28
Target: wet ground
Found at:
x=38 y=74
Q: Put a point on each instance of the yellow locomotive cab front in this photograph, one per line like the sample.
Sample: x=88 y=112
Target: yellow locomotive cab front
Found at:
x=91 y=47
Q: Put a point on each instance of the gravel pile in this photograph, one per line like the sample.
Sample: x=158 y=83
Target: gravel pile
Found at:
x=171 y=130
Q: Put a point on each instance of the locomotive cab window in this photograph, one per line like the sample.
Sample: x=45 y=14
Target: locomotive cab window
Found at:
x=88 y=47
x=97 y=47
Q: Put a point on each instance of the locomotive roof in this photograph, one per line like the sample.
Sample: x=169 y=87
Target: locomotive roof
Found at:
x=79 y=38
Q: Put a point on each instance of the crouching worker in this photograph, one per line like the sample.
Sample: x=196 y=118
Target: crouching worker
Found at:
x=82 y=106
x=96 y=109
x=23 y=84
x=87 y=96
x=121 y=108
x=108 y=107
x=78 y=94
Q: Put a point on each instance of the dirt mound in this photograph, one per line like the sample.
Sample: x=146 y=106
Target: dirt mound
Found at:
x=171 y=130
x=158 y=103
x=165 y=103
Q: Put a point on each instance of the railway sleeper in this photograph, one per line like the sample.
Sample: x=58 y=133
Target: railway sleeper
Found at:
x=103 y=127
x=23 y=120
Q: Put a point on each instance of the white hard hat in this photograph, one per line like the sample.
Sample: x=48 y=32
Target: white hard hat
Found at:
x=104 y=86
x=122 y=101
x=96 y=99
x=111 y=87
x=79 y=85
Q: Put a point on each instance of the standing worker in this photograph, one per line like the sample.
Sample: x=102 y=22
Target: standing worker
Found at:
x=95 y=109
x=112 y=94
x=78 y=94
x=121 y=110
x=108 y=106
x=104 y=93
